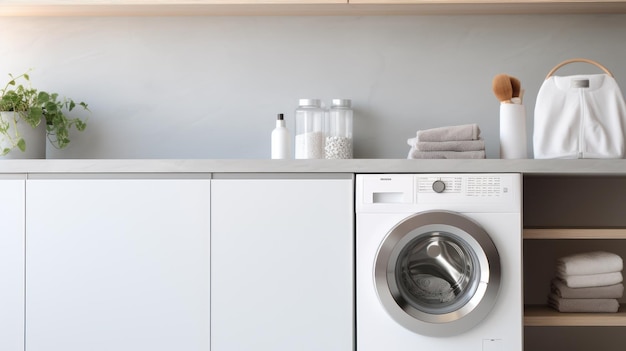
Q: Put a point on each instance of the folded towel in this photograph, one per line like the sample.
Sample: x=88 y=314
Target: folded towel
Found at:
x=415 y=154
x=589 y=263
x=452 y=133
x=591 y=280
x=459 y=145
x=614 y=291
x=582 y=305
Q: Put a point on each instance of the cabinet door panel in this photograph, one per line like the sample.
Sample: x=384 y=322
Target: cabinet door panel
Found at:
x=12 y=265
x=282 y=265
x=117 y=265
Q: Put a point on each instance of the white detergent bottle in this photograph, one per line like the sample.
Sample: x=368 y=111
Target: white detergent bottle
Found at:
x=280 y=139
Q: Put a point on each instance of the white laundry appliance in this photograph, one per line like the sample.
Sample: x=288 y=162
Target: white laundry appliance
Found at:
x=439 y=262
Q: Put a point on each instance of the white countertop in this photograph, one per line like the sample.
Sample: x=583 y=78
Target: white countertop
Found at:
x=546 y=167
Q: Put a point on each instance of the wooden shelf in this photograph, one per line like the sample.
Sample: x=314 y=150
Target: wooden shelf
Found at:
x=302 y=7
x=168 y=8
x=566 y=233
x=544 y=316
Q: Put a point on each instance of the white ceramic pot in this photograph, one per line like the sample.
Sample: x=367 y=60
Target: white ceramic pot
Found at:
x=35 y=138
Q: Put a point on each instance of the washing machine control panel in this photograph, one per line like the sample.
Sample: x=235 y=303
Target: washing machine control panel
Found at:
x=474 y=186
x=479 y=192
x=484 y=186
x=439 y=184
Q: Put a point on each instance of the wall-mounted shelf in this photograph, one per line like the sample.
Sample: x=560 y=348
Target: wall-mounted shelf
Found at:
x=544 y=316
x=301 y=7
x=566 y=233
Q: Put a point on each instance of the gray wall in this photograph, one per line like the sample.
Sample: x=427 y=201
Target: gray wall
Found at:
x=210 y=87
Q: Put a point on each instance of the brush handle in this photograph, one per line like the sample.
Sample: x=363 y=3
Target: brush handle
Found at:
x=579 y=60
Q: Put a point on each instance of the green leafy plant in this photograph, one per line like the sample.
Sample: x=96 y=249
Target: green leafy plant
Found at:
x=34 y=107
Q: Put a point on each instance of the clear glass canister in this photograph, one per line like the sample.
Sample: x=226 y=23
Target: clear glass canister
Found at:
x=309 y=141
x=339 y=130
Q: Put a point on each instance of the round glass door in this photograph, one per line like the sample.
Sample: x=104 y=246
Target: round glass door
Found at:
x=437 y=273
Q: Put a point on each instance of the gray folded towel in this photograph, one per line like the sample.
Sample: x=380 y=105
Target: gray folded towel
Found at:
x=583 y=305
x=452 y=133
x=415 y=154
x=615 y=291
x=589 y=263
x=457 y=145
x=591 y=280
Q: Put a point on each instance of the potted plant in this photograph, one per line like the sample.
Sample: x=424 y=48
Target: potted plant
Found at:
x=27 y=115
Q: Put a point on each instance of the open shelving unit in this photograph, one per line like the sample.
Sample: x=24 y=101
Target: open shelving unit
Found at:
x=544 y=316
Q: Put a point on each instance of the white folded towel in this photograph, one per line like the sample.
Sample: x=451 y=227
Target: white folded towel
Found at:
x=415 y=154
x=615 y=291
x=456 y=145
x=591 y=280
x=583 y=305
x=451 y=133
x=589 y=263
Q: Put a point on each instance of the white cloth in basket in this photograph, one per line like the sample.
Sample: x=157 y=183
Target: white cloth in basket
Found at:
x=579 y=116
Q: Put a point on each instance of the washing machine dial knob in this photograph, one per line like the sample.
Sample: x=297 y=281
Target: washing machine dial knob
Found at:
x=439 y=186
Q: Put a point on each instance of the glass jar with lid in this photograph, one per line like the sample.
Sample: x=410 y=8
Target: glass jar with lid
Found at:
x=338 y=144
x=309 y=143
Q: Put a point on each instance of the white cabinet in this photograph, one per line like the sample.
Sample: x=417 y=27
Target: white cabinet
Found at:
x=282 y=264
x=12 y=264
x=117 y=264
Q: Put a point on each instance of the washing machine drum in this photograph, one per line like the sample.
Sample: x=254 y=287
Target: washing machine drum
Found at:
x=437 y=273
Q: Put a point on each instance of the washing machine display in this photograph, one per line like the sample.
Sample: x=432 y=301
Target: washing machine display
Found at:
x=439 y=262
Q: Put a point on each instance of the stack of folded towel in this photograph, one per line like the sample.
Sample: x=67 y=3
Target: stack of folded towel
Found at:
x=461 y=141
x=587 y=282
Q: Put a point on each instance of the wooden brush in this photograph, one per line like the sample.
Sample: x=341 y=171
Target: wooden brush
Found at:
x=517 y=90
x=502 y=88
x=516 y=85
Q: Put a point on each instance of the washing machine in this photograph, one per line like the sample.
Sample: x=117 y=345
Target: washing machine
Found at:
x=439 y=262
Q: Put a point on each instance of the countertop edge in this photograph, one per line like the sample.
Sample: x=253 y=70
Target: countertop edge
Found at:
x=526 y=166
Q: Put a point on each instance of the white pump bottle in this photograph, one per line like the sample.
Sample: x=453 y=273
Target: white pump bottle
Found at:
x=281 y=148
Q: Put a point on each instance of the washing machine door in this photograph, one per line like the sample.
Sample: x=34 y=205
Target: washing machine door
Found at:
x=437 y=273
